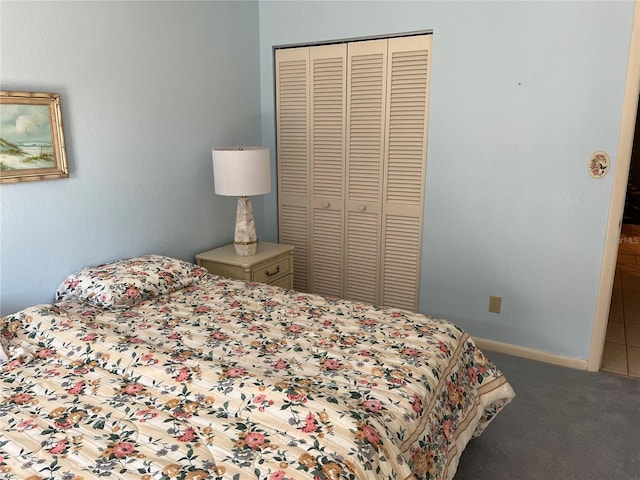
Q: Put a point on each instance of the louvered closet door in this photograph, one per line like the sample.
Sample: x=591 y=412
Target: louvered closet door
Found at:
x=327 y=133
x=292 y=100
x=364 y=164
x=405 y=165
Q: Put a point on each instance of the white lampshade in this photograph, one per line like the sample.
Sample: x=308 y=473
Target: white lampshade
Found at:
x=241 y=171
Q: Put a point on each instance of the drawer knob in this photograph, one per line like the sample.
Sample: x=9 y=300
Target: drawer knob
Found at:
x=275 y=272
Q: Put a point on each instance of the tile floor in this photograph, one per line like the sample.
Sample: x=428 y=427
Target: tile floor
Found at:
x=622 y=345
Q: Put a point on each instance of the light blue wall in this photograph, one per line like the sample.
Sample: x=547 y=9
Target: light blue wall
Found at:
x=147 y=89
x=522 y=94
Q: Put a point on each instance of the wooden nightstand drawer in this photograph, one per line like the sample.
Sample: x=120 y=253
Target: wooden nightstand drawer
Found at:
x=284 y=282
x=273 y=270
x=272 y=263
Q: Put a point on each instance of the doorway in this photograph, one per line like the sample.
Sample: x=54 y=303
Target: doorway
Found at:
x=621 y=354
x=618 y=196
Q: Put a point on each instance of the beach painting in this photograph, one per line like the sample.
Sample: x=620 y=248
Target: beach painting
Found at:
x=31 y=137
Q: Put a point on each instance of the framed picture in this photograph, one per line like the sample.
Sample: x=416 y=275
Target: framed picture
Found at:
x=31 y=137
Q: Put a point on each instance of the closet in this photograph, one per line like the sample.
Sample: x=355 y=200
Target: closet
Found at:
x=351 y=122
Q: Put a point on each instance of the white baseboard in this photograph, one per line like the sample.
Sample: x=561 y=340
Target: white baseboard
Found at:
x=530 y=353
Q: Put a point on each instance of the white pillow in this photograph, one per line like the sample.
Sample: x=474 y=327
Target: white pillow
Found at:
x=129 y=282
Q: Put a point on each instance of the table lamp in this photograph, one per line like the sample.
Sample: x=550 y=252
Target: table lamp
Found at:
x=242 y=172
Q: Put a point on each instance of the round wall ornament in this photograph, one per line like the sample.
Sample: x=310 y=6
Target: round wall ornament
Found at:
x=599 y=164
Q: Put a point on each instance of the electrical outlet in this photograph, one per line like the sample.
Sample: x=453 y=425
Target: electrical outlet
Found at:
x=495 y=304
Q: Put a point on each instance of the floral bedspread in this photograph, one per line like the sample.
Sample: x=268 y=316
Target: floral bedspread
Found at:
x=234 y=380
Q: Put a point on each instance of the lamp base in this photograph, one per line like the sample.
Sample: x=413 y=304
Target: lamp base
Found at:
x=243 y=250
x=245 y=239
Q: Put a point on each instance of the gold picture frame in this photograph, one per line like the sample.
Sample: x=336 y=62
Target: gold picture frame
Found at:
x=31 y=137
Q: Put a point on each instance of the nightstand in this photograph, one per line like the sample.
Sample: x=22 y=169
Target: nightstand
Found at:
x=272 y=264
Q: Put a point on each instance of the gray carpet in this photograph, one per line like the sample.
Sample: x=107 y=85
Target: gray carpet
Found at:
x=563 y=424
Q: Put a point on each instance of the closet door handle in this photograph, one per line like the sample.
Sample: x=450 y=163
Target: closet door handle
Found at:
x=362 y=207
x=325 y=204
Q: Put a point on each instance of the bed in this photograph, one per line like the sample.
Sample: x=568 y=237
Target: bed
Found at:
x=151 y=368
